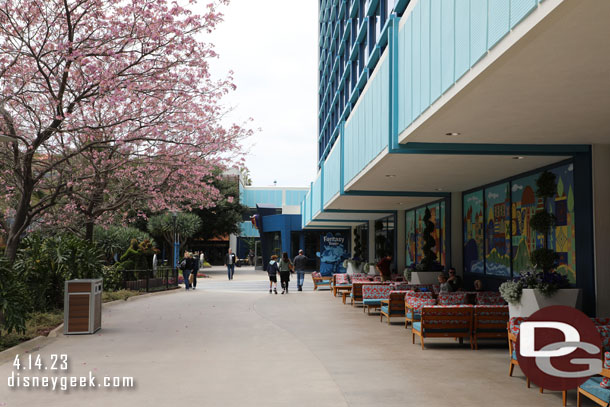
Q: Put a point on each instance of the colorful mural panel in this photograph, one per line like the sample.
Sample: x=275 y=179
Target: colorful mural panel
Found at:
x=473 y=232
x=562 y=239
x=524 y=205
x=497 y=230
x=415 y=230
x=411 y=238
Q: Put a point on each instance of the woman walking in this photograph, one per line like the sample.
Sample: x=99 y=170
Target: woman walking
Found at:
x=285 y=270
x=272 y=270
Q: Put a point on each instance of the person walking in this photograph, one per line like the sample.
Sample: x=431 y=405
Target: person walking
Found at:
x=193 y=276
x=186 y=265
x=230 y=263
x=272 y=270
x=300 y=262
x=286 y=268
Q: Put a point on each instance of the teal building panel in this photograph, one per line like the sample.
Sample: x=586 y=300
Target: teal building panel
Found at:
x=447 y=44
x=462 y=37
x=478 y=30
x=519 y=9
x=294 y=197
x=499 y=21
x=332 y=174
x=435 y=50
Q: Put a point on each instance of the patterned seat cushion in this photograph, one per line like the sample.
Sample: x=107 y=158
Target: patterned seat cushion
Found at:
x=342 y=279
x=514 y=323
x=418 y=294
x=456 y=298
x=605 y=383
x=416 y=303
x=489 y=298
x=601 y=321
x=604 y=332
x=593 y=386
x=376 y=291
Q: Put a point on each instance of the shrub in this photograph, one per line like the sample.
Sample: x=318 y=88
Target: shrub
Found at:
x=45 y=263
x=115 y=240
x=14 y=300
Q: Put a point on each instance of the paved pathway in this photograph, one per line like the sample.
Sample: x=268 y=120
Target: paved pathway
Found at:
x=214 y=347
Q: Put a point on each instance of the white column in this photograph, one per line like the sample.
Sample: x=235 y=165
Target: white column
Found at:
x=601 y=225
x=456 y=232
x=401 y=241
x=371 y=241
x=233 y=243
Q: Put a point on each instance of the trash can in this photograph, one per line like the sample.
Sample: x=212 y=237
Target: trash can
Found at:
x=82 y=306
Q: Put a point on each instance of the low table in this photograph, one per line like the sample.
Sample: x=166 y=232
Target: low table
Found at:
x=342 y=288
x=344 y=295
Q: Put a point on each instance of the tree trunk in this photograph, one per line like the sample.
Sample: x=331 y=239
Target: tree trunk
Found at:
x=89 y=231
x=18 y=226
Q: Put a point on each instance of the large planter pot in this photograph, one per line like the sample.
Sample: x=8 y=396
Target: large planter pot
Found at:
x=352 y=269
x=424 y=277
x=532 y=300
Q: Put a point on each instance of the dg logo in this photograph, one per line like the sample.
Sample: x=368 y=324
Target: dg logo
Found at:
x=559 y=348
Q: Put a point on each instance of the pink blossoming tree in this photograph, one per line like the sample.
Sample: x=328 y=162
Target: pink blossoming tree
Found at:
x=107 y=103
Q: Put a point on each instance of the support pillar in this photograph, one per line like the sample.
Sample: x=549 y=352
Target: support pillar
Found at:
x=371 y=241
x=456 y=237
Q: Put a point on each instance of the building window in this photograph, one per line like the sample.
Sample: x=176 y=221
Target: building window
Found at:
x=498 y=239
x=415 y=233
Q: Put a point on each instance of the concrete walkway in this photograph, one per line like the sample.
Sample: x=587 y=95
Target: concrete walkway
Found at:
x=221 y=348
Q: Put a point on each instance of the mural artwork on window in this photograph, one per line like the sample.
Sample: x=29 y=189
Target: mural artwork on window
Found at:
x=563 y=239
x=473 y=232
x=497 y=230
x=526 y=203
x=497 y=225
x=411 y=238
x=415 y=230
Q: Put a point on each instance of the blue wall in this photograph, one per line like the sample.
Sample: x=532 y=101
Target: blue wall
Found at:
x=332 y=174
x=368 y=128
x=251 y=197
x=295 y=197
x=441 y=40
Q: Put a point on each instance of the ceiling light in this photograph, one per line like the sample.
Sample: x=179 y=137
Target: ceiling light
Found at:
x=518 y=157
x=390 y=175
x=452 y=134
x=438 y=189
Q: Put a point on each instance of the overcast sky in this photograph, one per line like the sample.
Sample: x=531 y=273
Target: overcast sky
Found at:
x=271 y=45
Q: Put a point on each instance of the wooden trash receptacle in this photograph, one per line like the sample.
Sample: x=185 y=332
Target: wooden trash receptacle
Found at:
x=82 y=306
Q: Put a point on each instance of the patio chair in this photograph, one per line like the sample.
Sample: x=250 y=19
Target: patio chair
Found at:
x=444 y=321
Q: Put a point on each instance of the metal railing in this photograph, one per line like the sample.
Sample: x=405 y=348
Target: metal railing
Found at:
x=161 y=279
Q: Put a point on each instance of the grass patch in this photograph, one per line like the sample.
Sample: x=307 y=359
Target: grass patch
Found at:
x=39 y=323
x=108 y=296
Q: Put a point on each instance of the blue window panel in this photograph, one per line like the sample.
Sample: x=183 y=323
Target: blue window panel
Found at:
x=369 y=107
x=331 y=175
x=416 y=60
x=406 y=77
x=447 y=44
x=478 y=30
x=369 y=130
x=317 y=196
x=519 y=9
x=435 y=50
x=376 y=116
x=400 y=85
x=499 y=21
x=462 y=37
x=385 y=105
x=425 y=55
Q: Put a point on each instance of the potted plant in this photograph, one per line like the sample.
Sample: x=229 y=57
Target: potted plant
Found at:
x=424 y=273
x=355 y=264
x=542 y=286
x=534 y=290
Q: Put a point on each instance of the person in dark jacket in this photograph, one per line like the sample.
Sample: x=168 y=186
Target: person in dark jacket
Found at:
x=272 y=270
x=300 y=262
x=454 y=280
x=195 y=269
x=230 y=263
x=186 y=265
x=286 y=268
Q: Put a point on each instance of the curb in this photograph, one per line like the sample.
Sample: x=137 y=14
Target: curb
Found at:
x=38 y=342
